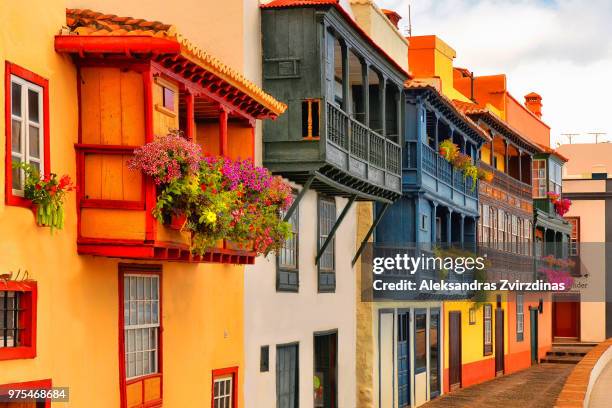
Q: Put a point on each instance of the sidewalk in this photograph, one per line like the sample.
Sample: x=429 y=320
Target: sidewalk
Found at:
x=600 y=396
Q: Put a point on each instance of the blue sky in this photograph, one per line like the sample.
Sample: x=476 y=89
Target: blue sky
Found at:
x=561 y=49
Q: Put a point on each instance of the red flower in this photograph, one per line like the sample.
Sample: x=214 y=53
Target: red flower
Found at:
x=38 y=186
x=64 y=181
x=203 y=187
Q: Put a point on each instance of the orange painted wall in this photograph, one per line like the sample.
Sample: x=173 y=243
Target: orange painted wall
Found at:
x=519 y=352
x=526 y=122
x=78 y=304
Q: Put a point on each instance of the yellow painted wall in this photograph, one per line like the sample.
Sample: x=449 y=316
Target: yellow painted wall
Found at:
x=78 y=301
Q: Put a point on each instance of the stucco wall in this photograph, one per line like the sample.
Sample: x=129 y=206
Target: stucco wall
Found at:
x=273 y=318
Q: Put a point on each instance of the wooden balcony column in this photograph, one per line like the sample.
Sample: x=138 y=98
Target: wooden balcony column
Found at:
x=520 y=164
x=434 y=213
x=366 y=94
x=383 y=105
x=462 y=229
x=506 y=157
x=346 y=104
x=449 y=221
x=190 y=111
x=223 y=118
x=464 y=144
x=436 y=134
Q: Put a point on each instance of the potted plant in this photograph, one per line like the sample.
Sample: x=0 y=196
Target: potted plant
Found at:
x=47 y=194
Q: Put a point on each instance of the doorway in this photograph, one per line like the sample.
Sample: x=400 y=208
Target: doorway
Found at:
x=326 y=370
x=454 y=349
x=499 y=341
x=434 y=353
x=533 y=332
x=566 y=316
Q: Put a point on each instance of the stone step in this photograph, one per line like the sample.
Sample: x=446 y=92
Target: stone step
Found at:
x=574 y=351
x=573 y=344
x=561 y=359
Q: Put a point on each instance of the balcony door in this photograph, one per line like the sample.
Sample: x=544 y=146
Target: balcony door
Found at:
x=326 y=370
x=454 y=349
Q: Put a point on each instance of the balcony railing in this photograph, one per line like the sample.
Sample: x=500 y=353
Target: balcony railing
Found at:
x=508 y=183
x=438 y=167
x=361 y=142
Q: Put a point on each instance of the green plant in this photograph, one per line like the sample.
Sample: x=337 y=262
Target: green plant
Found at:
x=47 y=193
x=448 y=149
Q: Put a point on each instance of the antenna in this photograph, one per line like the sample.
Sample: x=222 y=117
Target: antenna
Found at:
x=409 y=22
x=570 y=135
x=597 y=134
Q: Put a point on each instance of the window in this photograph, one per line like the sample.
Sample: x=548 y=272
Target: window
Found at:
x=327 y=219
x=287 y=261
x=420 y=341
x=224 y=389
x=575 y=236
x=527 y=234
x=554 y=183
x=17 y=320
x=287 y=377
x=520 y=317
x=494 y=227
x=27 y=137
x=141 y=324
x=501 y=229
x=310 y=119
x=515 y=234
x=485 y=214
x=168 y=98
x=539 y=178
x=488 y=328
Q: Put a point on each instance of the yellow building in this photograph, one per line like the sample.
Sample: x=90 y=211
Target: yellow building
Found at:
x=114 y=306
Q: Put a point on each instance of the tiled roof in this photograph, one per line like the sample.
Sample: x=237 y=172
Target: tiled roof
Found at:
x=473 y=109
x=298 y=3
x=417 y=84
x=550 y=150
x=279 y=4
x=91 y=23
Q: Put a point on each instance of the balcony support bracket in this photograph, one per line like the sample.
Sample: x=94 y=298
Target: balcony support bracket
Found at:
x=299 y=197
x=367 y=236
x=332 y=232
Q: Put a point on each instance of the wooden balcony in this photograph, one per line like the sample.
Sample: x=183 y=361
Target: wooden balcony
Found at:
x=507 y=189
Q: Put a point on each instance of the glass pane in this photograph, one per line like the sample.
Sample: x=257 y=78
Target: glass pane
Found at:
x=16 y=136
x=140 y=313
x=132 y=312
x=140 y=288
x=34 y=141
x=147 y=310
x=147 y=291
x=155 y=312
x=16 y=175
x=33 y=107
x=133 y=288
x=16 y=99
x=155 y=288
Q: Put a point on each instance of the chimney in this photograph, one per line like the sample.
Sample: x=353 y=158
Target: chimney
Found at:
x=533 y=102
x=393 y=17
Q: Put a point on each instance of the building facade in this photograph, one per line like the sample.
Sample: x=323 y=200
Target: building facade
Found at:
x=338 y=144
x=115 y=280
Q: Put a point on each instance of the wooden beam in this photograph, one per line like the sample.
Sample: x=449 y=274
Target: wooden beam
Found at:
x=367 y=236
x=299 y=197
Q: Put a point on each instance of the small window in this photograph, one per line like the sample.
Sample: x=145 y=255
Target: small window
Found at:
x=310 y=119
x=287 y=376
x=224 y=392
x=488 y=329
x=520 y=317
x=424 y=222
x=420 y=341
x=27 y=135
x=554 y=184
x=17 y=320
x=327 y=263
x=168 y=98
x=539 y=178
x=287 y=261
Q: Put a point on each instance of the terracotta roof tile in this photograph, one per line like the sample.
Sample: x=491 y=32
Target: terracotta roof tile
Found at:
x=473 y=109
x=92 y=23
x=298 y=3
x=550 y=150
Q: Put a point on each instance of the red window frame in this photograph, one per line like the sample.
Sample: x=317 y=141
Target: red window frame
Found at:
x=27 y=320
x=14 y=69
x=29 y=385
x=141 y=269
x=224 y=372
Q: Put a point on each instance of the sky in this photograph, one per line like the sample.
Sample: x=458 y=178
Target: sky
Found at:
x=561 y=49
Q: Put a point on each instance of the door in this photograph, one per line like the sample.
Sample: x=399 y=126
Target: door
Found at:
x=386 y=363
x=499 y=341
x=325 y=370
x=420 y=356
x=434 y=353
x=533 y=332
x=403 y=358
x=566 y=316
x=454 y=349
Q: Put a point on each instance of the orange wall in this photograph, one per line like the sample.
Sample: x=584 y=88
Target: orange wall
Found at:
x=526 y=122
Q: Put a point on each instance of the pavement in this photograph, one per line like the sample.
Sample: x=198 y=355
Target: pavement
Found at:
x=535 y=387
x=600 y=395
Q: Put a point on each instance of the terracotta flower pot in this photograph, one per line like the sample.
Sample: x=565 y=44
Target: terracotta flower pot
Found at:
x=177 y=222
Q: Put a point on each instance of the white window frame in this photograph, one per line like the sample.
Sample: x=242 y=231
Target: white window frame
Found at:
x=142 y=327
x=488 y=325
x=24 y=154
x=539 y=178
x=520 y=315
x=228 y=392
x=555 y=184
x=486 y=224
